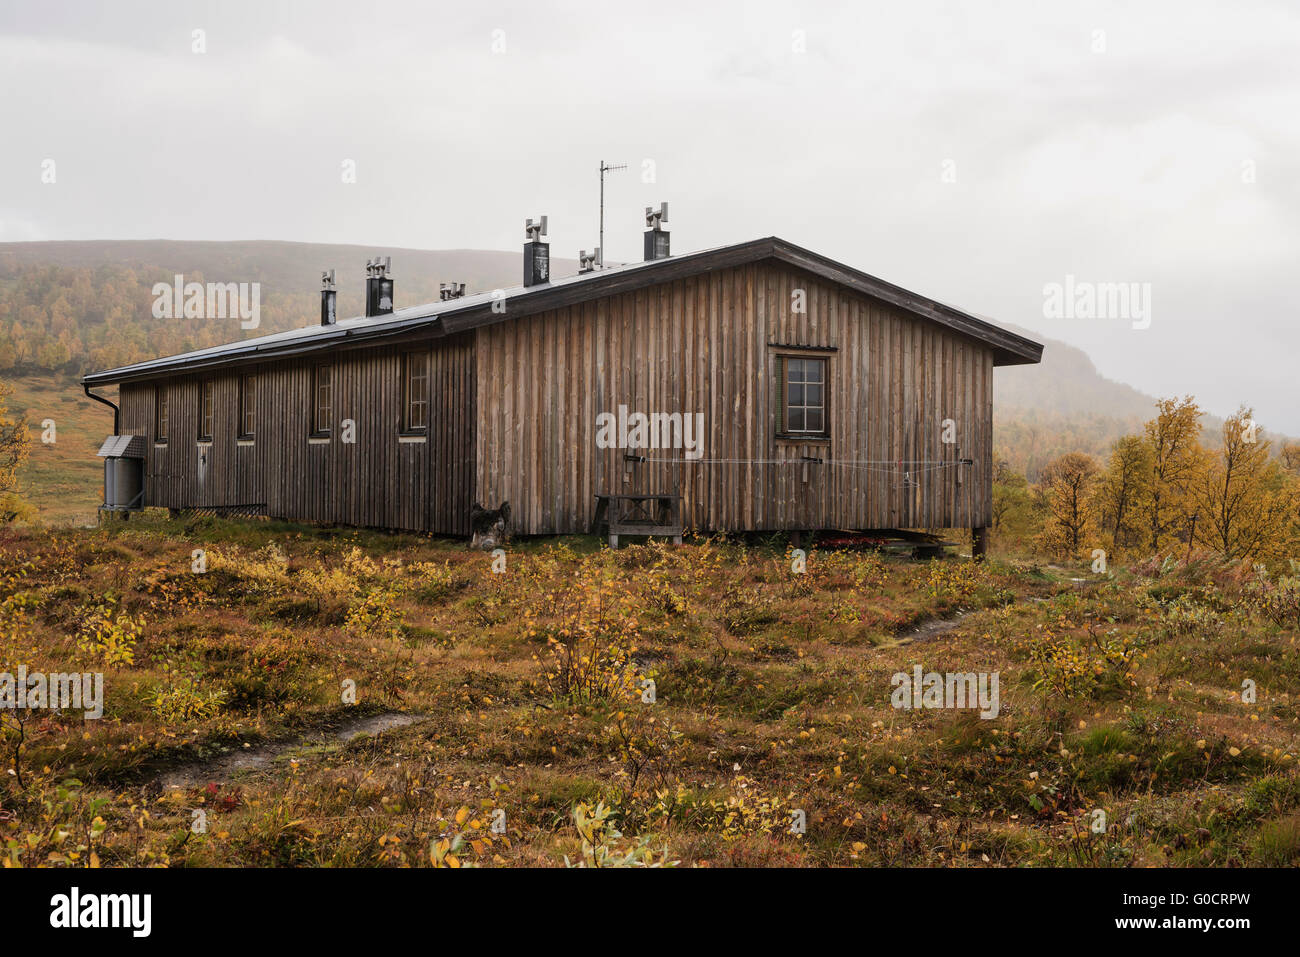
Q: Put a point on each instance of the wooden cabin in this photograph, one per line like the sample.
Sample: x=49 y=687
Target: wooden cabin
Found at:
x=813 y=396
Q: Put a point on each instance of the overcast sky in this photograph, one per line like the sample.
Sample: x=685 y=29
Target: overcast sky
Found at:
x=972 y=152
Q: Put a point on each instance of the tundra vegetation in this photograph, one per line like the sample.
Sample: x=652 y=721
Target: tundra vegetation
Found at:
x=305 y=696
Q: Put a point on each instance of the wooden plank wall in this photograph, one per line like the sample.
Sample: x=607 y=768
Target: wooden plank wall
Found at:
x=378 y=481
x=710 y=344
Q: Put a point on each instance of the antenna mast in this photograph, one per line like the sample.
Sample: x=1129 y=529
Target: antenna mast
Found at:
x=600 y=250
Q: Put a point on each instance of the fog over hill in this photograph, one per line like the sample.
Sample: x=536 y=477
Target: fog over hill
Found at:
x=1066 y=382
x=284 y=268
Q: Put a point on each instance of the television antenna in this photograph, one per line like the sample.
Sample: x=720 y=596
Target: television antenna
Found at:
x=604 y=168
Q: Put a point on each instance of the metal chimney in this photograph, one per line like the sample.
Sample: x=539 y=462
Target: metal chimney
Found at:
x=656 y=237
x=328 y=299
x=537 y=254
x=588 y=262
x=379 y=286
x=450 y=290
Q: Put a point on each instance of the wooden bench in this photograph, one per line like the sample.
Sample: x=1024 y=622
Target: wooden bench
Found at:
x=640 y=514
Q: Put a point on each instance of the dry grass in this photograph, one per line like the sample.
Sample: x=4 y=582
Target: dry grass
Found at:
x=771 y=694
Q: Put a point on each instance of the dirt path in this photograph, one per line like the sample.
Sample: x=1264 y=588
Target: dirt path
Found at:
x=933 y=628
x=936 y=627
x=224 y=767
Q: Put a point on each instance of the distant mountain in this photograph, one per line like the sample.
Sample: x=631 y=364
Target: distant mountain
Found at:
x=1064 y=404
x=1067 y=383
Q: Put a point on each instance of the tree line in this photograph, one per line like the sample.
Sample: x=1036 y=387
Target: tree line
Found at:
x=76 y=319
x=1160 y=490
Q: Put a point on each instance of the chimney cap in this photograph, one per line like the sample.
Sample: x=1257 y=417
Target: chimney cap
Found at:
x=327 y=279
x=654 y=217
x=535 y=231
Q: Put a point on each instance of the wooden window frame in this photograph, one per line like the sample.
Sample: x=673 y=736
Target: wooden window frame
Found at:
x=207 y=409
x=410 y=398
x=247 y=407
x=783 y=360
x=319 y=430
x=161 y=413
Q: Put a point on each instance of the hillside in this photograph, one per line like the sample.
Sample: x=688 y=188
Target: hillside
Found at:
x=1064 y=405
x=1066 y=383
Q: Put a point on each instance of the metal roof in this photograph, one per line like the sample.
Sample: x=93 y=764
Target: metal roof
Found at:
x=437 y=319
x=122 y=447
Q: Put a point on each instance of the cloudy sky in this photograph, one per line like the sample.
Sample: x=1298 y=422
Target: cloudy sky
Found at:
x=974 y=152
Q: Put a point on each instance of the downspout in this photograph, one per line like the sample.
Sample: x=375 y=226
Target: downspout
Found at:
x=117 y=413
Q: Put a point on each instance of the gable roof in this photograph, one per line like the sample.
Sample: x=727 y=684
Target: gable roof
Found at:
x=436 y=319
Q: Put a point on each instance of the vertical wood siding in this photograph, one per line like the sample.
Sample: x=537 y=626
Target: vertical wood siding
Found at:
x=710 y=344
x=378 y=481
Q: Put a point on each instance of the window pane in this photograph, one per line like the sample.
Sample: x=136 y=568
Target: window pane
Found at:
x=205 y=412
x=324 y=390
x=805 y=395
x=415 y=385
x=247 y=404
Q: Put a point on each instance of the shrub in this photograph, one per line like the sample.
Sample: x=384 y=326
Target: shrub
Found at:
x=1278 y=602
x=435 y=582
x=745 y=812
x=375 y=615
x=183 y=700
x=744 y=610
x=1074 y=668
x=1184 y=617
x=265 y=570
x=603 y=844
x=110 y=635
x=330 y=590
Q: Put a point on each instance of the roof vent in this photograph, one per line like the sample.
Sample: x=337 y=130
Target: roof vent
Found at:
x=537 y=254
x=379 y=286
x=656 y=237
x=328 y=299
x=450 y=290
x=588 y=263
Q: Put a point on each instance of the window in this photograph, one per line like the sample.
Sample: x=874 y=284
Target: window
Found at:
x=207 y=399
x=160 y=414
x=247 y=406
x=415 y=393
x=323 y=401
x=804 y=408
